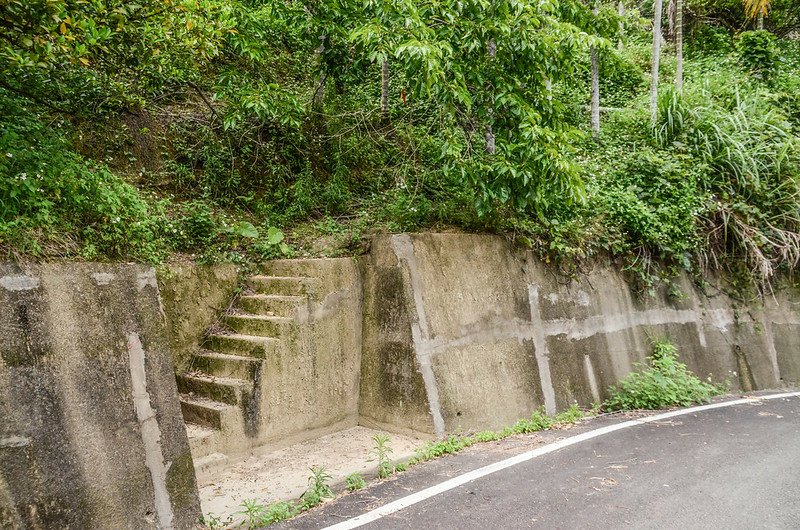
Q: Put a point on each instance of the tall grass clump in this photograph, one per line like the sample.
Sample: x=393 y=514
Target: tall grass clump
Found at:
x=750 y=158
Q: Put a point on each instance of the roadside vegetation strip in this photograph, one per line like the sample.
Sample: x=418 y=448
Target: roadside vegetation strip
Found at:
x=660 y=383
x=460 y=480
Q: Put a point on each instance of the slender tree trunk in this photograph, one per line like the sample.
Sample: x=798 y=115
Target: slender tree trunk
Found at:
x=385 y=90
x=490 y=138
x=621 y=13
x=595 y=87
x=319 y=90
x=548 y=86
x=761 y=19
x=658 y=7
x=671 y=8
x=679 y=45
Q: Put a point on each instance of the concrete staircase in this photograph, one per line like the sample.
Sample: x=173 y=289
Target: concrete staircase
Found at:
x=220 y=395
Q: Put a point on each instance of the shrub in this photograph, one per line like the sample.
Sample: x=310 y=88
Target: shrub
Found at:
x=758 y=52
x=710 y=40
x=665 y=383
x=49 y=194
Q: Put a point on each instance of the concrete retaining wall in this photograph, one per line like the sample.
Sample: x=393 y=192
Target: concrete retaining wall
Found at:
x=430 y=333
x=465 y=332
x=91 y=434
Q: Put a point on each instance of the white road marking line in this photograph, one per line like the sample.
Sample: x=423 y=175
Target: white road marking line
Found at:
x=460 y=480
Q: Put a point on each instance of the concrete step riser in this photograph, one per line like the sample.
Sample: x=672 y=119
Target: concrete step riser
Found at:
x=281 y=286
x=230 y=394
x=222 y=367
x=228 y=419
x=260 y=327
x=207 y=417
x=237 y=346
x=269 y=306
x=201 y=447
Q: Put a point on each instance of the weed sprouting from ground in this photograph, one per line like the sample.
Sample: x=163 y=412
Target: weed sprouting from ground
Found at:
x=318 y=488
x=355 y=482
x=254 y=512
x=257 y=515
x=382 y=452
x=665 y=383
x=213 y=522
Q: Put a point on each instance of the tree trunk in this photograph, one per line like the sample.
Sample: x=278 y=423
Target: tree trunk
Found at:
x=385 y=90
x=490 y=138
x=761 y=19
x=621 y=12
x=595 y=87
x=679 y=45
x=671 y=8
x=658 y=7
x=319 y=90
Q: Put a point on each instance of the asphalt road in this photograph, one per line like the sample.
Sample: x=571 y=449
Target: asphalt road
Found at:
x=732 y=467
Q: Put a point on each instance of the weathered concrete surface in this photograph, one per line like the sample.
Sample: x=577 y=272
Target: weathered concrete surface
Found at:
x=91 y=433
x=313 y=381
x=194 y=296
x=285 y=368
x=465 y=332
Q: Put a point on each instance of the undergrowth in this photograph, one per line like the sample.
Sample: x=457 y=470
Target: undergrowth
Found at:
x=223 y=152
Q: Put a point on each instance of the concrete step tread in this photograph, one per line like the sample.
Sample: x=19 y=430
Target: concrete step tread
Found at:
x=217 y=380
x=264 y=277
x=270 y=318
x=250 y=338
x=198 y=432
x=228 y=356
x=281 y=297
x=204 y=402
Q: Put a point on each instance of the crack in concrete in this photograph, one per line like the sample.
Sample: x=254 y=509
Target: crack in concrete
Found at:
x=420 y=331
x=19 y=282
x=591 y=377
x=540 y=350
x=151 y=434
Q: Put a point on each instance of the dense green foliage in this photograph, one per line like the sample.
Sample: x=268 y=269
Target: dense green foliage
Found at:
x=665 y=383
x=248 y=129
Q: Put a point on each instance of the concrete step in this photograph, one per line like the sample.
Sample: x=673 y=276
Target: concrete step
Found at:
x=271 y=304
x=209 y=413
x=208 y=463
x=226 y=365
x=294 y=267
x=262 y=326
x=244 y=345
x=223 y=389
x=282 y=285
x=202 y=440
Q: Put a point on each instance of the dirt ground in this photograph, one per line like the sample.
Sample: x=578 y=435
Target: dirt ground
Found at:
x=283 y=474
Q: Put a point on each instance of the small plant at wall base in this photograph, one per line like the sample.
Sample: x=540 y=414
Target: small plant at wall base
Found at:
x=318 y=488
x=355 y=482
x=665 y=383
x=213 y=522
x=538 y=421
x=381 y=451
x=254 y=513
